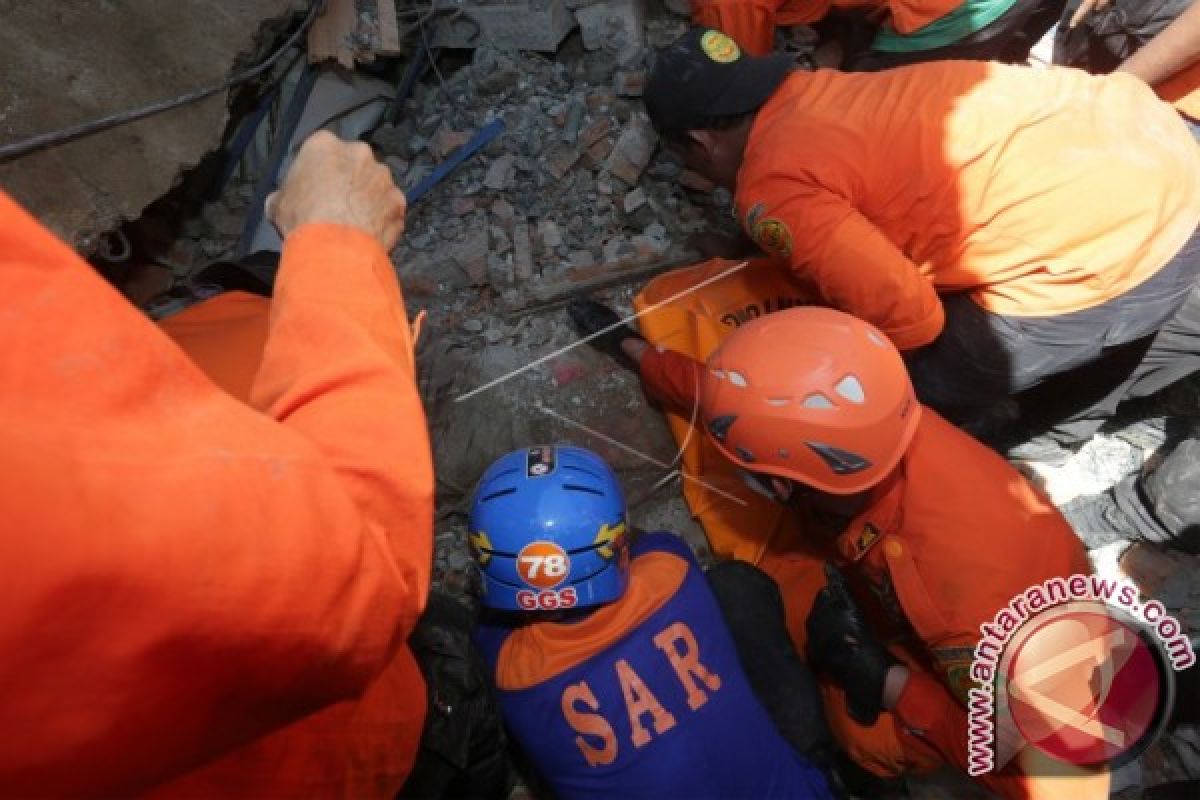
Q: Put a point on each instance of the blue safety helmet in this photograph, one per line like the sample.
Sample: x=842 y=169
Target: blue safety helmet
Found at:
x=548 y=531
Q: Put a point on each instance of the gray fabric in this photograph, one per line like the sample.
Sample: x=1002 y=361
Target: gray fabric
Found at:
x=753 y=610
x=1163 y=504
x=1070 y=370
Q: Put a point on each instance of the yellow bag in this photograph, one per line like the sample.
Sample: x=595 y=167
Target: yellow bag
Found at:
x=694 y=323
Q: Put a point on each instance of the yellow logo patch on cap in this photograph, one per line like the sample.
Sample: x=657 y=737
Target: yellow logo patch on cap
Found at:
x=772 y=236
x=719 y=47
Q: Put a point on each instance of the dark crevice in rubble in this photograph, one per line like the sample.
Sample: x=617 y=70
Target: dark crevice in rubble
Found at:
x=152 y=235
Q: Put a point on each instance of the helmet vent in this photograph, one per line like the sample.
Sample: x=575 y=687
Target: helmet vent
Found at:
x=575 y=487
x=778 y=401
x=720 y=426
x=738 y=379
x=744 y=454
x=584 y=470
x=817 y=400
x=842 y=462
x=494 y=495
x=850 y=388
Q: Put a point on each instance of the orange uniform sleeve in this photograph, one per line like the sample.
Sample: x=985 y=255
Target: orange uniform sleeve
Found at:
x=184 y=573
x=848 y=261
x=670 y=378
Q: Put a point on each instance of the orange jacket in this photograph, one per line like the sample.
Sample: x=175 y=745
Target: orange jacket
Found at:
x=205 y=595
x=946 y=543
x=752 y=23
x=884 y=189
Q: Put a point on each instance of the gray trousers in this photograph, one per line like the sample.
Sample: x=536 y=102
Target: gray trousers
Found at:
x=1163 y=503
x=1067 y=373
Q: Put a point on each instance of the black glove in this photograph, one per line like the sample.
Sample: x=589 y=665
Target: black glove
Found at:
x=589 y=317
x=842 y=646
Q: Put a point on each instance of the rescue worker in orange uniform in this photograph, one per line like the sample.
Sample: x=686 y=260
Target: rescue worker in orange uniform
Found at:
x=979 y=214
x=935 y=533
x=909 y=31
x=210 y=578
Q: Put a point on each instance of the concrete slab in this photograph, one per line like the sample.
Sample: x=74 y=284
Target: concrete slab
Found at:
x=539 y=25
x=65 y=63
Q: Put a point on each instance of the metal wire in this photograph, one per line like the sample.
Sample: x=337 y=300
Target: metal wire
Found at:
x=42 y=141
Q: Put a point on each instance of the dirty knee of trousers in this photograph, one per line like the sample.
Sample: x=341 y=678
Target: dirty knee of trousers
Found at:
x=745 y=592
x=1172 y=491
x=753 y=611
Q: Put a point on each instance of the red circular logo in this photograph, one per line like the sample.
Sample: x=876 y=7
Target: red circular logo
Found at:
x=543 y=564
x=1085 y=687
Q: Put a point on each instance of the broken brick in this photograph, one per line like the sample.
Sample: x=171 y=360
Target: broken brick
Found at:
x=630 y=83
x=634 y=200
x=695 y=181
x=632 y=151
x=550 y=235
x=611 y=24
x=559 y=160
x=600 y=100
x=471 y=255
x=503 y=211
x=461 y=206
x=599 y=152
x=445 y=142
x=522 y=253
x=500 y=173
x=575 y=112
x=594 y=132
x=500 y=273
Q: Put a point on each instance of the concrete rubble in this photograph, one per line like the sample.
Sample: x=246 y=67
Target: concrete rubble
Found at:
x=576 y=180
x=577 y=184
x=541 y=25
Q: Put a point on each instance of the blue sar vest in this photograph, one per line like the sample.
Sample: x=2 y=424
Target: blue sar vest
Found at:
x=645 y=697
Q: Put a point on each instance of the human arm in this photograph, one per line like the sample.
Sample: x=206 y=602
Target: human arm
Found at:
x=842 y=646
x=1172 y=50
x=185 y=573
x=670 y=378
x=850 y=263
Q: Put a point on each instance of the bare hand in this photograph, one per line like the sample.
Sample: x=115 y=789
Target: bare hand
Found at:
x=339 y=182
x=1085 y=8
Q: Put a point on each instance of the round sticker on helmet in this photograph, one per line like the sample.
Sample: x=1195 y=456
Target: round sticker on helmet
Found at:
x=543 y=565
x=719 y=47
x=773 y=236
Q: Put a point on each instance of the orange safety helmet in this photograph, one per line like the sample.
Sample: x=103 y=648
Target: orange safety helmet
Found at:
x=810 y=394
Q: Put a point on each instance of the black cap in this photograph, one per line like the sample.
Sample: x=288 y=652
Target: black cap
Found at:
x=704 y=74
